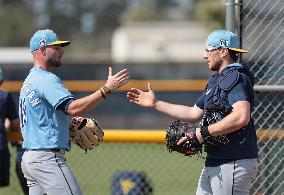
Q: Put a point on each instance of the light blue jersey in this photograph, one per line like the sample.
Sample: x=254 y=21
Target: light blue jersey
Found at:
x=43 y=126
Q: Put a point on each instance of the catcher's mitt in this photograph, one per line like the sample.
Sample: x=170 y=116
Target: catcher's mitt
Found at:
x=85 y=132
x=175 y=132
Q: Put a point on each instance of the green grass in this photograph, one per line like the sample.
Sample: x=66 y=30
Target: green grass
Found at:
x=169 y=173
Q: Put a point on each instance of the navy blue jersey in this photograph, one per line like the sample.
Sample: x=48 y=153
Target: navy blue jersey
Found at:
x=7 y=110
x=224 y=89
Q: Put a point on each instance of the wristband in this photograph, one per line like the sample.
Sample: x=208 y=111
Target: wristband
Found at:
x=106 y=90
x=102 y=93
x=204 y=132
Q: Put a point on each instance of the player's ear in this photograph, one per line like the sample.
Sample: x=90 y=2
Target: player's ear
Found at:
x=224 y=52
x=43 y=50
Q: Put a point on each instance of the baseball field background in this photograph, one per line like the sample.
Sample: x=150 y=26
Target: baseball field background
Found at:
x=260 y=25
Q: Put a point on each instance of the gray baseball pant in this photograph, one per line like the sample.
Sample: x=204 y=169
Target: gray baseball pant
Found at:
x=234 y=178
x=46 y=172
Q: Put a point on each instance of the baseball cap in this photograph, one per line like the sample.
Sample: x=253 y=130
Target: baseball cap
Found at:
x=1 y=75
x=224 y=39
x=43 y=38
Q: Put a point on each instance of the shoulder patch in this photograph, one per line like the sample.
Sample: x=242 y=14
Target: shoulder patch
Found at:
x=229 y=80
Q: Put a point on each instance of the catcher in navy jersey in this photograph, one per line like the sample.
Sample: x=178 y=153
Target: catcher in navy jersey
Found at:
x=224 y=109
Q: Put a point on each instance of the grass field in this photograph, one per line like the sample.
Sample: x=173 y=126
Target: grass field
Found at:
x=169 y=173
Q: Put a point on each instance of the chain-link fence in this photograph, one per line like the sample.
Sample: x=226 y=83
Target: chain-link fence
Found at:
x=262 y=33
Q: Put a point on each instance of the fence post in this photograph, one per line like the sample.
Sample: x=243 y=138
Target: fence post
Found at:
x=230 y=15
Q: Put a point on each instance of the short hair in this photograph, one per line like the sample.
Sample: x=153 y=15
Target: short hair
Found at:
x=234 y=55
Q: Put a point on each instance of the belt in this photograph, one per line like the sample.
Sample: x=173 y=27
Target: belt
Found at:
x=60 y=150
x=56 y=150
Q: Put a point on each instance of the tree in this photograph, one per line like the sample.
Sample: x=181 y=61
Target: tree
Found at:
x=16 y=25
x=212 y=12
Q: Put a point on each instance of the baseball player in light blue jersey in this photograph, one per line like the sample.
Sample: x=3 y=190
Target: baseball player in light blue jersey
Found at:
x=45 y=106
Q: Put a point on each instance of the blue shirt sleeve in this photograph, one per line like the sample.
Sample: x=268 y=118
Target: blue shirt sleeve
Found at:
x=240 y=92
x=200 y=101
x=65 y=105
x=54 y=91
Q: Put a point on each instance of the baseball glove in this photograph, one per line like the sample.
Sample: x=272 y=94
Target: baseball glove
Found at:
x=175 y=132
x=85 y=132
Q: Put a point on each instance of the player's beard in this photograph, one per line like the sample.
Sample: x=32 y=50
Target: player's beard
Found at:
x=216 y=65
x=53 y=63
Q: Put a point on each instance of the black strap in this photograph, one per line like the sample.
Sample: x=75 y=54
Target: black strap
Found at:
x=205 y=133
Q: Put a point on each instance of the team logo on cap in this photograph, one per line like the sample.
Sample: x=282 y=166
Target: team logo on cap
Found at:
x=42 y=43
x=224 y=43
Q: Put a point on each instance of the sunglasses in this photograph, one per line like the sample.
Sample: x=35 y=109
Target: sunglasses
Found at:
x=207 y=50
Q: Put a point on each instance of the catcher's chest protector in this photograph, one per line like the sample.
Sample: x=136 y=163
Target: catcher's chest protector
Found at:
x=216 y=101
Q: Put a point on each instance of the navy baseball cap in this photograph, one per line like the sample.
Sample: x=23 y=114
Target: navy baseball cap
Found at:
x=43 y=38
x=224 y=39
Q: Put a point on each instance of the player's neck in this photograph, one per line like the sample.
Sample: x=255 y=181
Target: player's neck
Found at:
x=44 y=67
x=226 y=62
x=41 y=62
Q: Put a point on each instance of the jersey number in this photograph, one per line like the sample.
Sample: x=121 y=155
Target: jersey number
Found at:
x=23 y=113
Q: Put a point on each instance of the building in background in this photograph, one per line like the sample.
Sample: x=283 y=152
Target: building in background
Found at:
x=158 y=42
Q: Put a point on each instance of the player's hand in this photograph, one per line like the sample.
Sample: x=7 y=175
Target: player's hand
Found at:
x=198 y=135
x=181 y=141
x=114 y=82
x=146 y=99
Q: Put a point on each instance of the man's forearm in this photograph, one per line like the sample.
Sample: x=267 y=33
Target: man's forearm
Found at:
x=181 y=112
x=85 y=104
